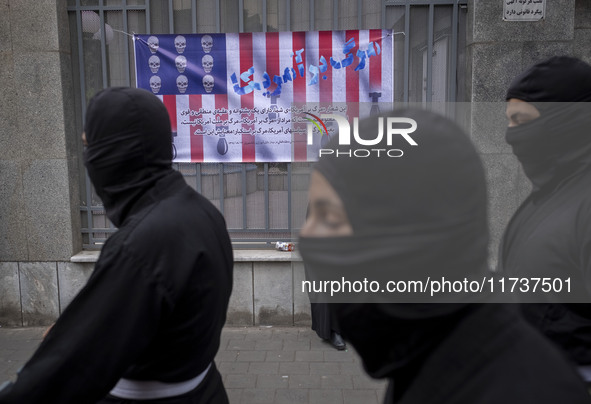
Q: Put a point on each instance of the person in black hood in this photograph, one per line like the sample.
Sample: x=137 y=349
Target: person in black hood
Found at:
x=550 y=233
x=147 y=324
x=423 y=214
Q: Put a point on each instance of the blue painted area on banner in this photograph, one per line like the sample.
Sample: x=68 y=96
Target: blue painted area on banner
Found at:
x=168 y=69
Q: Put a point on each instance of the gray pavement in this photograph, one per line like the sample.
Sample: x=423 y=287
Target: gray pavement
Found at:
x=258 y=364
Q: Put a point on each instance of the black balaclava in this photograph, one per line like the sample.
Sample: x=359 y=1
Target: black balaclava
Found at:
x=558 y=142
x=419 y=215
x=129 y=147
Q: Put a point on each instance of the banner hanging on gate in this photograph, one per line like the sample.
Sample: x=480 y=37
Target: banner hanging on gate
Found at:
x=230 y=97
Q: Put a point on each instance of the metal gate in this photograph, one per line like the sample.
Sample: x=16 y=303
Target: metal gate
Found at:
x=261 y=202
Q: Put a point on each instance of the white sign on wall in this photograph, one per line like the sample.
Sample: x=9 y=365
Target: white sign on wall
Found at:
x=524 y=10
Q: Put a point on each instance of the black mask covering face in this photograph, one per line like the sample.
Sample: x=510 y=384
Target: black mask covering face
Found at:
x=419 y=215
x=129 y=147
x=557 y=143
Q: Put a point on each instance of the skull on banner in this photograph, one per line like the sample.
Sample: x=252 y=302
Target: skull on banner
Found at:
x=153 y=43
x=181 y=63
x=207 y=63
x=180 y=43
x=155 y=84
x=182 y=82
x=206 y=43
x=154 y=63
x=208 y=83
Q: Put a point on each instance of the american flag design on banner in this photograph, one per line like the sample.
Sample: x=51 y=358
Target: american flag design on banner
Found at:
x=231 y=97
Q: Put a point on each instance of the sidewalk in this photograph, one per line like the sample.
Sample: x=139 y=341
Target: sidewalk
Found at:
x=259 y=365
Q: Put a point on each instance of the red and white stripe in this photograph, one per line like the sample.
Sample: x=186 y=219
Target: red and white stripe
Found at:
x=272 y=52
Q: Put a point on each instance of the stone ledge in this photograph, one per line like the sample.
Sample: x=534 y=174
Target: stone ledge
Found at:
x=265 y=255
x=85 y=256
x=239 y=256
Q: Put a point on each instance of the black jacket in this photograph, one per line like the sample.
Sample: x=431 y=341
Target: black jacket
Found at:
x=154 y=307
x=550 y=236
x=491 y=357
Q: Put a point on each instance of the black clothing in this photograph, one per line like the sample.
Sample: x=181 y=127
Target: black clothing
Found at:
x=552 y=146
x=550 y=233
x=419 y=215
x=154 y=307
x=325 y=326
x=556 y=79
x=491 y=357
x=550 y=236
x=423 y=214
x=321 y=320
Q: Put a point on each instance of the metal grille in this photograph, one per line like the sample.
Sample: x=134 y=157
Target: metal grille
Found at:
x=257 y=200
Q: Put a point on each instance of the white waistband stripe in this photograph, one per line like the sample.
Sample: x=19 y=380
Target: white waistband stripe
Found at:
x=148 y=390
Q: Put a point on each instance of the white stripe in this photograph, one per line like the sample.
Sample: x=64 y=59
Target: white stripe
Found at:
x=312 y=58
x=233 y=66
x=260 y=102
x=210 y=137
x=363 y=73
x=313 y=91
x=149 y=390
x=339 y=76
x=387 y=67
x=285 y=100
x=182 y=141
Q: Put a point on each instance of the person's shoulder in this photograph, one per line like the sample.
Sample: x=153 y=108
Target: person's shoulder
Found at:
x=184 y=215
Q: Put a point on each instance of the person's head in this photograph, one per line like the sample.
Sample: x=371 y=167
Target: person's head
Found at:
x=548 y=120
x=406 y=218
x=128 y=139
x=421 y=214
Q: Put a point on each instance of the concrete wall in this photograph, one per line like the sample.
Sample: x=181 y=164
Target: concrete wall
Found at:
x=39 y=218
x=267 y=289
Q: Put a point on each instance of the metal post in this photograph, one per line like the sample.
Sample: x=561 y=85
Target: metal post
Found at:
x=218 y=17
x=429 y=88
x=244 y=196
x=406 y=50
x=311 y=14
x=126 y=45
x=148 y=28
x=264 y=15
x=194 y=16
x=221 y=187
x=454 y=53
x=266 y=187
x=103 y=44
x=170 y=18
x=359 y=15
x=335 y=14
x=241 y=15
x=288 y=15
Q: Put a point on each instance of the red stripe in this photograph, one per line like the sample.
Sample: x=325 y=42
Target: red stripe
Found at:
x=325 y=49
x=170 y=104
x=299 y=97
x=352 y=80
x=375 y=62
x=352 y=75
x=196 y=135
x=272 y=52
x=247 y=100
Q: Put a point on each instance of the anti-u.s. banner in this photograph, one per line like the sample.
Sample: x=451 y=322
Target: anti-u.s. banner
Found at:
x=233 y=97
